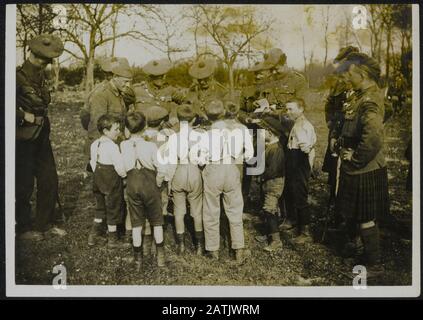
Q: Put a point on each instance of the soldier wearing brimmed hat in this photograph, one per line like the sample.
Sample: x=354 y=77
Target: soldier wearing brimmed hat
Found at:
x=156 y=90
x=34 y=155
x=283 y=83
x=221 y=178
x=107 y=98
x=204 y=87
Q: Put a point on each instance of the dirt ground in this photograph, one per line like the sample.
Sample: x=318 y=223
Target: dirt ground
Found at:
x=316 y=264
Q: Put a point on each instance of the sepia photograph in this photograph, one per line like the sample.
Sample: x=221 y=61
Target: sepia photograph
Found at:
x=212 y=150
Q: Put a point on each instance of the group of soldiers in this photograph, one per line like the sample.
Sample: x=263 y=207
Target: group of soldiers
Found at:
x=274 y=102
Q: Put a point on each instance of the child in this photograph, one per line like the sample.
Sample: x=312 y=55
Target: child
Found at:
x=221 y=178
x=145 y=177
x=299 y=158
x=155 y=117
x=273 y=180
x=187 y=183
x=108 y=167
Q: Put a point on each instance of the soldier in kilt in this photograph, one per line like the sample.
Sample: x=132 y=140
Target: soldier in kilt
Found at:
x=363 y=187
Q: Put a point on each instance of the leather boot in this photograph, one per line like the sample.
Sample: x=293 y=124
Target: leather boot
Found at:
x=138 y=257
x=146 y=245
x=160 y=254
x=199 y=236
x=180 y=241
x=96 y=234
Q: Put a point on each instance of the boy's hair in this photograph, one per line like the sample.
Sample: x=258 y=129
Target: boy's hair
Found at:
x=300 y=103
x=156 y=123
x=135 y=122
x=106 y=121
x=231 y=110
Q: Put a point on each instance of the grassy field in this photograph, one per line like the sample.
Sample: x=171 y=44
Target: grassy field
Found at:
x=315 y=264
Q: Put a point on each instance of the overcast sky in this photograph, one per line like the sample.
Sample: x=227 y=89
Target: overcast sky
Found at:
x=290 y=24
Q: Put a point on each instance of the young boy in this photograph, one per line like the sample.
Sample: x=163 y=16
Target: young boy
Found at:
x=272 y=180
x=221 y=177
x=187 y=183
x=300 y=156
x=145 y=177
x=155 y=117
x=108 y=167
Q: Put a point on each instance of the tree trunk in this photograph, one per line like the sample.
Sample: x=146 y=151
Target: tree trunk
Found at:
x=56 y=70
x=40 y=20
x=304 y=56
x=388 y=49
x=89 y=78
x=114 y=33
x=231 y=76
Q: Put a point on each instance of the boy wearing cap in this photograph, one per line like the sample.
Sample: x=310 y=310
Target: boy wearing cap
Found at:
x=108 y=168
x=34 y=155
x=272 y=180
x=221 y=178
x=155 y=117
x=187 y=183
x=145 y=177
x=299 y=159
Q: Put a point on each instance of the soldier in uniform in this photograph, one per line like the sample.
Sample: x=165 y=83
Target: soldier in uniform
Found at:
x=363 y=196
x=34 y=155
x=339 y=94
x=204 y=87
x=107 y=98
x=156 y=91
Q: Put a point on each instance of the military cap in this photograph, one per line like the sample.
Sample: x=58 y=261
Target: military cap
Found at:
x=202 y=68
x=215 y=108
x=274 y=57
x=360 y=59
x=46 y=46
x=256 y=67
x=185 y=111
x=157 y=67
x=121 y=68
x=155 y=113
x=107 y=63
x=344 y=52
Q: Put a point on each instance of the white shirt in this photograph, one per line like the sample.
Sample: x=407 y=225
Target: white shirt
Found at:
x=225 y=142
x=302 y=135
x=106 y=151
x=146 y=152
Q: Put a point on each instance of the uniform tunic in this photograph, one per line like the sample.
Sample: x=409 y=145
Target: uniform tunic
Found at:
x=104 y=99
x=34 y=159
x=363 y=186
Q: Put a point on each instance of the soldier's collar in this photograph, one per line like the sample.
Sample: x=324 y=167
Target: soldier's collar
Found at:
x=30 y=69
x=114 y=89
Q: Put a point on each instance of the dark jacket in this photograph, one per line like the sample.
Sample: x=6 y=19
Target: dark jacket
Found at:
x=275 y=161
x=32 y=92
x=363 y=131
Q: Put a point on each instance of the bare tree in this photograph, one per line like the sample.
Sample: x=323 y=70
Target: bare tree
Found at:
x=325 y=13
x=163 y=30
x=94 y=23
x=232 y=28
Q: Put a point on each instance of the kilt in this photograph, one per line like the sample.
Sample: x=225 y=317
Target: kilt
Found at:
x=364 y=197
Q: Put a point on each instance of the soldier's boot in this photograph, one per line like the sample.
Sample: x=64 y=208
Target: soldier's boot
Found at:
x=180 y=242
x=199 y=249
x=146 y=245
x=370 y=237
x=127 y=237
x=241 y=255
x=138 y=258
x=160 y=254
x=303 y=236
x=113 y=241
x=96 y=234
x=214 y=255
x=275 y=244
